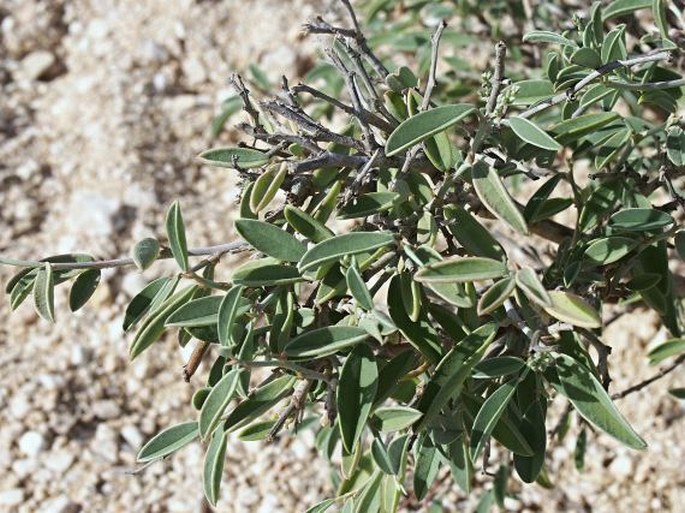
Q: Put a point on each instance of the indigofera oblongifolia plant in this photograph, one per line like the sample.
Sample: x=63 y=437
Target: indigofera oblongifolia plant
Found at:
x=403 y=298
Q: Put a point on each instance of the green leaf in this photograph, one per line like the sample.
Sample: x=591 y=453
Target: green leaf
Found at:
x=678 y=393
x=270 y=240
x=368 y=204
x=266 y=187
x=575 y=128
x=659 y=12
x=496 y=295
x=83 y=288
x=425 y=470
x=198 y=312
x=214 y=466
x=461 y=269
x=675 y=146
x=440 y=151
x=568 y=307
x=532 y=134
x=395 y=418
x=259 y=402
x=44 y=293
x=216 y=402
x=495 y=196
x=357 y=287
x=168 y=441
x=227 y=314
x=241 y=158
x=306 y=224
x=593 y=403
x=672 y=347
x=141 y=302
x=421 y=335
x=639 y=220
x=609 y=249
x=256 y=431
x=322 y=506
x=176 y=234
x=145 y=252
x=623 y=7
x=586 y=57
x=153 y=327
x=612 y=147
x=381 y=457
x=497 y=367
x=324 y=341
x=452 y=371
x=527 y=280
x=333 y=249
x=545 y=36
x=357 y=384
x=423 y=125
x=475 y=238
x=488 y=416
x=531 y=91
x=265 y=273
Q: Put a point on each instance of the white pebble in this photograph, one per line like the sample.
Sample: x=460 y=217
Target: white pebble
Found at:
x=11 y=497
x=31 y=443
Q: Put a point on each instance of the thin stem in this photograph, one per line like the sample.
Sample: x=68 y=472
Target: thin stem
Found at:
x=497 y=77
x=639 y=386
x=194 y=360
x=599 y=72
x=295 y=406
x=432 y=80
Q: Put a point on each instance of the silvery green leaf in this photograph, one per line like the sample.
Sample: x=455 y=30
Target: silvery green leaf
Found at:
x=214 y=466
x=168 y=441
x=339 y=246
x=176 y=234
x=270 y=240
x=83 y=288
x=202 y=311
x=44 y=293
x=532 y=134
x=243 y=158
x=495 y=197
x=217 y=401
x=145 y=252
x=324 y=341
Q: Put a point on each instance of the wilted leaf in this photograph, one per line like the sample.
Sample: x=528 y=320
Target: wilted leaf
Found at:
x=168 y=440
x=420 y=127
x=590 y=399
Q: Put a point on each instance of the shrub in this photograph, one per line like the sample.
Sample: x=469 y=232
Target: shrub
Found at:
x=411 y=307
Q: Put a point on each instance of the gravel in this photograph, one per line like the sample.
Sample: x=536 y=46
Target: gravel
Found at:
x=105 y=106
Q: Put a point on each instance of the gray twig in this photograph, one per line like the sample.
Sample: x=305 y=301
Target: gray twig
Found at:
x=599 y=72
x=432 y=80
x=295 y=406
x=497 y=77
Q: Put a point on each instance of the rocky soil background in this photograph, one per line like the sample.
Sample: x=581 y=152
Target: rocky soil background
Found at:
x=104 y=106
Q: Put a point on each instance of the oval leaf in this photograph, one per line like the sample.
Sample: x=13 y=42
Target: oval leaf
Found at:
x=176 y=234
x=324 y=341
x=168 y=441
x=358 y=383
x=533 y=134
x=214 y=466
x=83 y=288
x=44 y=293
x=496 y=198
x=496 y=295
x=145 y=252
x=198 y=312
x=568 y=307
x=241 y=158
x=593 y=403
x=216 y=402
x=306 y=224
x=270 y=240
x=458 y=269
x=527 y=280
x=640 y=220
x=420 y=127
x=341 y=245
x=394 y=418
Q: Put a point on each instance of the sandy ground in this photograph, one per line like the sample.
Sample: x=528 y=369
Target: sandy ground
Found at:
x=104 y=106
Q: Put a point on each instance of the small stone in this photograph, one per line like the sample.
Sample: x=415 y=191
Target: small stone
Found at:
x=59 y=461
x=35 y=65
x=19 y=406
x=11 y=497
x=133 y=436
x=104 y=443
x=107 y=409
x=31 y=443
x=61 y=504
x=622 y=466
